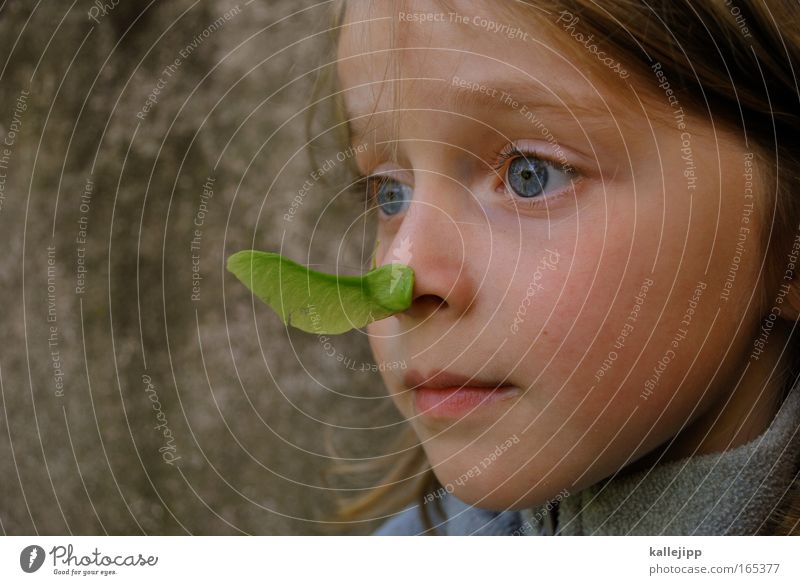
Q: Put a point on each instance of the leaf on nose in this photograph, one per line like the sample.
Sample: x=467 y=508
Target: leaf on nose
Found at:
x=321 y=303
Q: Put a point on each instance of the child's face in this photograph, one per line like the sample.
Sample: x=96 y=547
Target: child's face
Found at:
x=595 y=288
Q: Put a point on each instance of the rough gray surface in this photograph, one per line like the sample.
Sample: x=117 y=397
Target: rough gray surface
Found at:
x=254 y=409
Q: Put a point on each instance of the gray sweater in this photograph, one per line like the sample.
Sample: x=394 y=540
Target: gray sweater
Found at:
x=728 y=493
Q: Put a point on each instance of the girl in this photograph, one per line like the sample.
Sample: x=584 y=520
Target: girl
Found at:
x=599 y=204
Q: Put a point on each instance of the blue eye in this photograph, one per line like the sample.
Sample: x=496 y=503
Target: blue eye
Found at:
x=390 y=195
x=532 y=177
x=527 y=177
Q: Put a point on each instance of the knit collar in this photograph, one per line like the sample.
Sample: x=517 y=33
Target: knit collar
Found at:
x=731 y=492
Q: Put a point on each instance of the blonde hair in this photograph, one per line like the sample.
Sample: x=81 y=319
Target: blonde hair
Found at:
x=729 y=63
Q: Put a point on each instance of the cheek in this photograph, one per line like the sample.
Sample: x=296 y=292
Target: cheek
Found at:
x=558 y=305
x=383 y=336
x=593 y=328
x=379 y=336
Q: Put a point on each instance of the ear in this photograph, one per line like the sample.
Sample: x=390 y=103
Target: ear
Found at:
x=788 y=300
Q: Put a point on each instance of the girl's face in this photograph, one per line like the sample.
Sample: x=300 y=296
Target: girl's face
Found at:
x=567 y=239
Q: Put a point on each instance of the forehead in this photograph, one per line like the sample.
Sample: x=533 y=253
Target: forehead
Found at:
x=399 y=53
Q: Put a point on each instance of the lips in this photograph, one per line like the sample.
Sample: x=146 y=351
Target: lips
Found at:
x=414 y=379
x=445 y=395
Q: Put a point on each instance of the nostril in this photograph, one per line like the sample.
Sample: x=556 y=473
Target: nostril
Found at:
x=429 y=302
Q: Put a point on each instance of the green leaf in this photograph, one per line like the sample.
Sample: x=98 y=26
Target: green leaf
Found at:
x=322 y=303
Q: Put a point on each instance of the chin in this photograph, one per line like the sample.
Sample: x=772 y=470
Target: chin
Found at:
x=492 y=488
x=489 y=496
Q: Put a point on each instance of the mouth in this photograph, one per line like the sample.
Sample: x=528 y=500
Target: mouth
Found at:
x=446 y=395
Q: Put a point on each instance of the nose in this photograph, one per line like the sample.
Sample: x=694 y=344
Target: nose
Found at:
x=435 y=243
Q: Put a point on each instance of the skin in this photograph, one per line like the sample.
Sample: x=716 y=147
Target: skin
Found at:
x=629 y=216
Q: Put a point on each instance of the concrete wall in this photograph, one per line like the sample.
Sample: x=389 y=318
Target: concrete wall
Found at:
x=104 y=348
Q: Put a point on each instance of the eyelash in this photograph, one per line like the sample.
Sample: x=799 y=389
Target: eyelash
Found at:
x=365 y=186
x=509 y=153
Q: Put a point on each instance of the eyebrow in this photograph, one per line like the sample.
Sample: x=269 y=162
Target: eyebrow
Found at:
x=506 y=97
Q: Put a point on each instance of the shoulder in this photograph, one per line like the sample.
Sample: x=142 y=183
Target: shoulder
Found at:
x=459 y=519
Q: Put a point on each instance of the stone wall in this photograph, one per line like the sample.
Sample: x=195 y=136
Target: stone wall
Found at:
x=142 y=390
